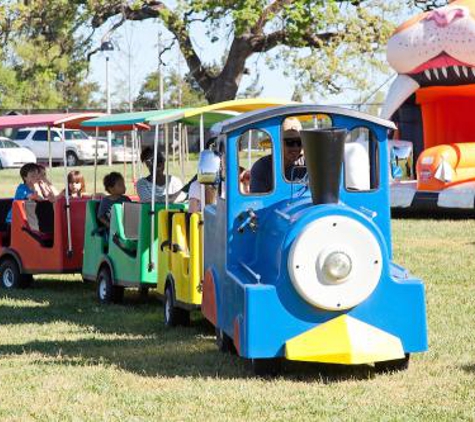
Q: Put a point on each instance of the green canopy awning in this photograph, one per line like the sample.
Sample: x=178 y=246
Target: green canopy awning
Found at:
x=123 y=120
x=188 y=117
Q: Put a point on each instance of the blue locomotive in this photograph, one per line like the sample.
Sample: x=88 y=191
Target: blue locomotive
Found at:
x=297 y=248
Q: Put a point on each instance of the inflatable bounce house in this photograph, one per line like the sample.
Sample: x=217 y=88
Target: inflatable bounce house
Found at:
x=432 y=102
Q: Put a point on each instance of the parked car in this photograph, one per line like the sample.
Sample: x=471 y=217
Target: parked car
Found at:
x=79 y=146
x=11 y=155
x=120 y=153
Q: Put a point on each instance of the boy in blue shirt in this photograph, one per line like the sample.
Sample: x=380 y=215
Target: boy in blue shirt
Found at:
x=29 y=173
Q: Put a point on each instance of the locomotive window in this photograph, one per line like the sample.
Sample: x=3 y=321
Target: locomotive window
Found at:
x=293 y=163
x=255 y=159
x=361 y=160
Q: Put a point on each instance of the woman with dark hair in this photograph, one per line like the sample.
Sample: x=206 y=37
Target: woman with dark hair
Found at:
x=145 y=185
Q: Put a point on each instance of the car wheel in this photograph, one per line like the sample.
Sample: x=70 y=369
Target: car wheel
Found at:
x=10 y=274
x=396 y=365
x=267 y=367
x=106 y=291
x=1 y=165
x=72 y=159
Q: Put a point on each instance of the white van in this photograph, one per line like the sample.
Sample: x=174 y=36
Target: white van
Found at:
x=80 y=147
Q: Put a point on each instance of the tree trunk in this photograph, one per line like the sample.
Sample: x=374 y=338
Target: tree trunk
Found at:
x=226 y=85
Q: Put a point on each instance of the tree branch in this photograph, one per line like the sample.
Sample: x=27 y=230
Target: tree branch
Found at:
x=268 y=13
x=265 y=43
x=172 y=21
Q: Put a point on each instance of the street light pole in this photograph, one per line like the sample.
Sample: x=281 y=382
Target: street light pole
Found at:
x=107 y=46
x=160 y=74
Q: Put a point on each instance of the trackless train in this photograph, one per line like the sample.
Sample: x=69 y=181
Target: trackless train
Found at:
x=301 y=270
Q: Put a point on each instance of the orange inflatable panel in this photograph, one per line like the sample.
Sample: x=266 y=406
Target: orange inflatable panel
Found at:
x=445 y=165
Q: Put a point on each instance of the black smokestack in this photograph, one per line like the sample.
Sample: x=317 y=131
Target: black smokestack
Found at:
x=324 y=151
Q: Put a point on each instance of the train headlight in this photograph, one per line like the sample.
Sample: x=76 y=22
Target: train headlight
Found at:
x=335 y=263
x=337 y=267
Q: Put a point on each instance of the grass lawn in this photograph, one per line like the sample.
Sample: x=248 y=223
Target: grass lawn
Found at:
x=64 y=357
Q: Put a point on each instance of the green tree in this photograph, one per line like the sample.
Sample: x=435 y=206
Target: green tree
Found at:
x=178 y=91
x=44 y=54
x=324 y=45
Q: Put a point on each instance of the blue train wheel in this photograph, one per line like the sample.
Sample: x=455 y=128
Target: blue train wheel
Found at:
x=267 y=367
x=224 y=342
x=393 y=365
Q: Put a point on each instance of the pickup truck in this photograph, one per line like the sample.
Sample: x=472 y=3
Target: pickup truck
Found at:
x=80 y=148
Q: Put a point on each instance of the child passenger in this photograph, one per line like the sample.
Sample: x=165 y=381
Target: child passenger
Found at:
x=76 y=184
x=114 y=184
x=30 y=175
x=44 y=187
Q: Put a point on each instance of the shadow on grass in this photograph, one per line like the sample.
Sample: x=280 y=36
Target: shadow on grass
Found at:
x=133 y=337
x=469 y=368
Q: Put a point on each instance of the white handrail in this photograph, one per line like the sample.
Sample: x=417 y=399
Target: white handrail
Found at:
x=66 y=191
x=151 y=264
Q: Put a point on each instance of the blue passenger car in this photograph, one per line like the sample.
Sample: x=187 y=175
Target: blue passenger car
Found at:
x=301 y=267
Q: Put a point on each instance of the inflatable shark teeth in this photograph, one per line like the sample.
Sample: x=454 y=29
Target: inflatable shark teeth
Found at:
x=445 y=73
x=401 y=89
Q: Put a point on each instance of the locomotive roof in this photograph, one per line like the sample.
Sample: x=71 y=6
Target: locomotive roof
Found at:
x=296 y=109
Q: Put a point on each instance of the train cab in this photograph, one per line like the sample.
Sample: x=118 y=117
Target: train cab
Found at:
x=297 y=249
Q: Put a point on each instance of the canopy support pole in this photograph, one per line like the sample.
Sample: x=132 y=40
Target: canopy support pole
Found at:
x=139 y=149
x=181 y=151
x=151 y=263
x=124 y=157
x=167 y=172
x=249 y=144
x=202 y=147
x=134 y=153
x=187 y=146
x=95 y=162
x=50 y=156
x=66 y=191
